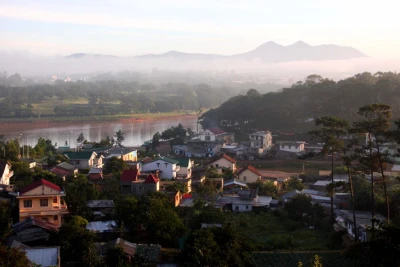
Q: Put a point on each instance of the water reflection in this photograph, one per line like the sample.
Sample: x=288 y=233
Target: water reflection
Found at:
x=136 y=133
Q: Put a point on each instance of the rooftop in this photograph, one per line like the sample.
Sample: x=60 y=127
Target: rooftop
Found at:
x=151 y=179
x=79 y=155
x=130 y=175
x=101 y=226
x=224 y=156
x=183 y=162
x=169 y=160
x=216 y=130
x=41 y=182
x=44 y=257
x=100 y=203
x=66 y=166
x=250 y=168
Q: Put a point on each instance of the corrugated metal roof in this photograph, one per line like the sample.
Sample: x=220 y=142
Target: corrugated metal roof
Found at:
x=100 y=227
x=43 y=256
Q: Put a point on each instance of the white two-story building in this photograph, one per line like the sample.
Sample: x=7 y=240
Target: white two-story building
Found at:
x=166 y=167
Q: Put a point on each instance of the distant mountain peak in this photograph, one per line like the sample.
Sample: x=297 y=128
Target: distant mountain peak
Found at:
x=300 y=43
x=268 y=52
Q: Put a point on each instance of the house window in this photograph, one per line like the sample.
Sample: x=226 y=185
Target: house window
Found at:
x=166 y=164
x=207 y=138
x=282 y=146
x=78 y=162
x=55 y=217
x=44 y=202
x=244 y=178
x=158 y=165
x=62 y=201
x=28 y=203
x=216 y=165
x=247 y=207
x=236 y=207
x=290 y=146
x=55 y=200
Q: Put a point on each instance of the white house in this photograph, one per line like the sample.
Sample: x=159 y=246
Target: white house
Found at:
x=291 y=146
x=261 y=139
x=167 y=167
x=211 y=134
x=249 y=175
x=223 y=162
x=5 y=172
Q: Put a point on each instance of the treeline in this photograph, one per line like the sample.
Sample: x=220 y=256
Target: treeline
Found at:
x=108 y=98
x=296 y=108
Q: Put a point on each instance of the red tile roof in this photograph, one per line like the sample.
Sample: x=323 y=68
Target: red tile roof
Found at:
x=224 y=156
x=216 y=130
x=250 y=168
x=130 y=175
x=185 y=196
x=151 y=179
x=41 y=182
x=147 y=159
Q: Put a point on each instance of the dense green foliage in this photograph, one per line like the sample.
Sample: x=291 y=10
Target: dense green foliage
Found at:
x=13 y=257
x=294 y=108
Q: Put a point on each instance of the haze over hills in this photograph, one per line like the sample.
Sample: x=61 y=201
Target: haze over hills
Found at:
x=267 y=52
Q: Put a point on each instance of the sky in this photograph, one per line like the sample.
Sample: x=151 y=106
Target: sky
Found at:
x=133 y=27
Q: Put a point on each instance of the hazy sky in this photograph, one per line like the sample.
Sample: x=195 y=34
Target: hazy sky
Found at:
x=131 y=27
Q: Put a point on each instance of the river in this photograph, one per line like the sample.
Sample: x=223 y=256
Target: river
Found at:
x=136 y=133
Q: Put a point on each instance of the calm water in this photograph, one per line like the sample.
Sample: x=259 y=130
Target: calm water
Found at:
x=136 y=133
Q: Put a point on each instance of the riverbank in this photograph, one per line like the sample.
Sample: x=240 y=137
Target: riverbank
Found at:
x=126 y=118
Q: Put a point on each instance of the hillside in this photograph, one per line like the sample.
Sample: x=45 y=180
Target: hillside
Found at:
x=294 y=109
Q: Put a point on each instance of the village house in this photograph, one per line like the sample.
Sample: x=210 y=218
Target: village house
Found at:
x=167 y=167
x=249 y=174
x=64 y=170
x=95 y=174
x=44 y=200
x=223 y=163
x=216 y=134
x=344 y=219
x=261 y=139
x=5 y=172
x=243 y=201
x=291 y=146
x=101 y=208
x=185 y=167
x=131 y=184
x=32 y=230
x=142 y=187
x=126 y=180
x=84 y=160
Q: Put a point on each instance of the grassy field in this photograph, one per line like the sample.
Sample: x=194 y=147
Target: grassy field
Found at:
x=271 y=231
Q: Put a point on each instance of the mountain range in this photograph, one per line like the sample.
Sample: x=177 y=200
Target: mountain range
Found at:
x=267 y=52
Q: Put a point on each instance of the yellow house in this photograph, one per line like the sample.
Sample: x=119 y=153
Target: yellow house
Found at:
x=249 y=174
x=44 y=200
x=223 y=162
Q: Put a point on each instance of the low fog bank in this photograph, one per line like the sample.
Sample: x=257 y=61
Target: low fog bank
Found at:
x=33 y=65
